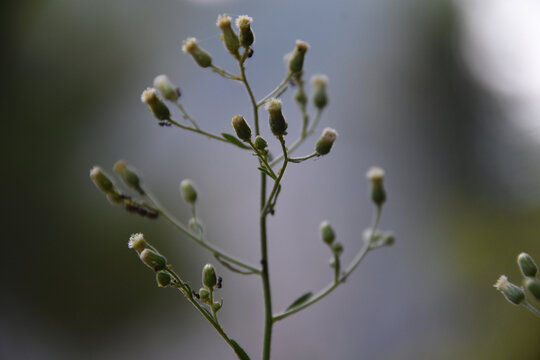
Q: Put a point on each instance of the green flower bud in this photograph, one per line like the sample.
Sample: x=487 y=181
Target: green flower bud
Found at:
x=511 y=292
x=209 y=278
x=300 y=97
x=241 y=128
x=129 y=177
x=378 y=193
x=167 y=89
x=320 y=99
x=296 y=60
x=138 y=243
x=327 y=233
x=200 y=56
x=278 y=125
x=163 y=279
x=188 y=191
x=204 y=294
x=216 y=306
x=101 y=180
x=533 y=285
x=325 y=142
x=260 y=143
x=228 y=35
x=156 y=106
x=527 y=265
x=153 y=260
x=243 y=23
x=332 y=262
x=337 y=248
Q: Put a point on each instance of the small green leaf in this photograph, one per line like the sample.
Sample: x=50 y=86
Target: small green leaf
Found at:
x=264 y=170
x=234 y=140
x=302 y=299
x=242 y=355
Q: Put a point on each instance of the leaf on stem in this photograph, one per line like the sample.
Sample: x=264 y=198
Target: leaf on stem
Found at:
x=234 y=140
x=242 y=355
x=302 y=299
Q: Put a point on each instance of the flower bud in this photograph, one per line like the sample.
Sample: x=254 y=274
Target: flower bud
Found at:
x=278 y=125
x=332 y=262
x=260 y=143
x=320 y=99
x=378 y=193
x=167 y=89
x=228 y=35
x=300 y=97
x=533 y=285
x=511 y=292
x=327 y=233
x=209 y=278
x=296 y=61
x=129 y=177
x=241 y=128
x=216 y=306
x=204 y=294
x=153 y=260
x=188 y=191
x=156 y=106
x=337 y=248
x=200 y=56
x=163 y=279
x=527 y=265
x=138 y=243
x=325 y=142
x=243 y=23
x=101 y=180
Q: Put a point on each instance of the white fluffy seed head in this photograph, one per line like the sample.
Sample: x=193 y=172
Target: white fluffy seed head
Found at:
x=273 y=105
x=243 y=21
x=223 y=21
x=375 y=174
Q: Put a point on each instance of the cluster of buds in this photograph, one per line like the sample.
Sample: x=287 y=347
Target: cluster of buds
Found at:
x=210 y=282
x=516 y=294
x=328 y=236
x=151 y=258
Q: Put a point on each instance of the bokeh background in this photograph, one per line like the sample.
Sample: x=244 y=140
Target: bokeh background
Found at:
x=445 y=95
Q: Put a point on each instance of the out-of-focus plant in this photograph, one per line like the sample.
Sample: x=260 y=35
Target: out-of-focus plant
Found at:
x=272 y=169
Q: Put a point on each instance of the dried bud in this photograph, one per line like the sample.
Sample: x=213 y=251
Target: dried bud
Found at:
x=260 y=143
x=378 y=193
x=296 y=61
x=188 y=191
x=320 y=99
x=101 y=180
x=327 y=233
x=167 y=89
x=163 y=279
x=153 y=260
x=156 y=106
x=527 y=265
x=138 y=243
x=241 y=127
x=278 y=125
x=204 y=294
x=200 y=56
x=129 y=177
x=511 y=292
x=228 y=35
x=209 y=278
x=325 y=142
x=337 y=248
x=243 y=23
x=533 y=285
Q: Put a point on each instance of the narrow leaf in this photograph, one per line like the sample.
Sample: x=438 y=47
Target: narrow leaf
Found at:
x=267 y=172
x=242 y=355
x=302 y=299
x=234 y=140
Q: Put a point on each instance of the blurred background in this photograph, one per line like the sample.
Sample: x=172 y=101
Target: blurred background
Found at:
x=445 y=95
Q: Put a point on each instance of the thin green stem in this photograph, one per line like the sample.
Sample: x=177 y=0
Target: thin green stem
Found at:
x=268 y=207
x=262 y=159
x=225 y=74
x=303 y=158
x=212 y=248
x=328 y=289
x=276 y=90
x=186 y=115
x=198 y=131
x=531 y=308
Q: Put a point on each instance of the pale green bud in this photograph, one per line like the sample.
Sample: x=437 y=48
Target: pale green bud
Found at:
x=325 y=142
x=167 y=89
x=138 y=243
x=337 y=248
x=200 y=56
x=278 y=125
x=209 y=278
x=527 y=265
x=101 y=180
x=156 y=106
x=153 y=260
x=204 y=294
x=260 y=143
x=241 y=128
x=163 y=279
x=320 y=99
x=228 y=35
x=327 y=233
x=216 y=306
x=533 y=285
x=378 y=194
x=188 y=191
x=511 y=292
x=296 y=60
x=243 y=23
x=129 y=177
